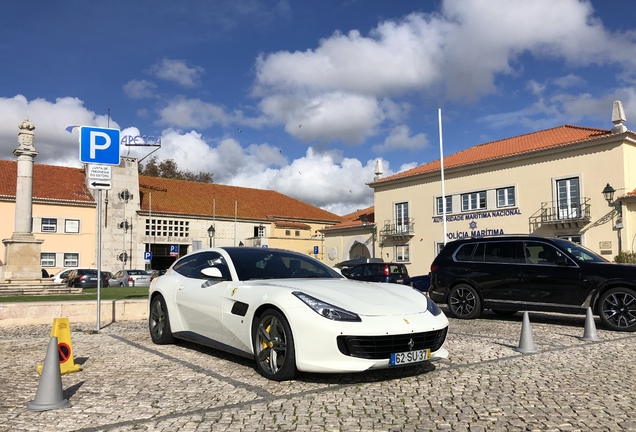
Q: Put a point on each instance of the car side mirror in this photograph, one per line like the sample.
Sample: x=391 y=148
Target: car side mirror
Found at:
x=212 y=272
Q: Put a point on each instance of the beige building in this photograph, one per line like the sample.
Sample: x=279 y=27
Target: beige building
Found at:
x=64 y=214
x=548 y=183
x=166 y=217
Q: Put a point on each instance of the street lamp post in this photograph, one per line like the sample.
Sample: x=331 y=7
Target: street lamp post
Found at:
x=365 y=222
x=608 y=194
x=211 y=231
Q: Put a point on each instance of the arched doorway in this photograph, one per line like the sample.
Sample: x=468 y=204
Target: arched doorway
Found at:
x=358 y=250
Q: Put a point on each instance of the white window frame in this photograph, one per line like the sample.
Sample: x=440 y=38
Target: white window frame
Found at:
x=402 y=253
x=72 y=226
x=70 y=261
x=48 y=225
x=474 y=201
x=449 y=205
x=402 y=217
x=506 y=197
x=49 y=261
x=568 y=196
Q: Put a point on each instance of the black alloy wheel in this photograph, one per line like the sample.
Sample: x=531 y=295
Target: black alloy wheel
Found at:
x=274 y=350
x=158 y=322
x=617 y=309
x=464 y=302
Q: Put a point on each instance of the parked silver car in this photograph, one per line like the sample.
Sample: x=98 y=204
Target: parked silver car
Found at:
x=130 y=278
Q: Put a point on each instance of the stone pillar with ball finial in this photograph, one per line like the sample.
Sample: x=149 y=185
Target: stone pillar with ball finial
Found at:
x=22 y=250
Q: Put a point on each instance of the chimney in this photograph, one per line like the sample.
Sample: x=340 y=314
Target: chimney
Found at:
x=378 y=170
x=618 y=118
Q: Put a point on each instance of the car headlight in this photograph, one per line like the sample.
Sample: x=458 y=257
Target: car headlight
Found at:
x=432 y=307
x=325 y=309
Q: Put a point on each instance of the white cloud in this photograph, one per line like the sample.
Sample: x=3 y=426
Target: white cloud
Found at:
x=192 y=113
x=177 y=71
x=139 y=89
x=400 y=139
x=454 y=54
x=569 y=80
x=54 y=144
x=325 y=117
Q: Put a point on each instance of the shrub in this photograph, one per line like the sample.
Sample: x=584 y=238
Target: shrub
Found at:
x=626 y=257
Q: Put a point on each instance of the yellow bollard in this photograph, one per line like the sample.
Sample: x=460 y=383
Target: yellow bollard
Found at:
x=62 y=330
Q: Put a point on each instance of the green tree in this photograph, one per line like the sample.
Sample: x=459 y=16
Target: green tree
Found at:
x=168 y=168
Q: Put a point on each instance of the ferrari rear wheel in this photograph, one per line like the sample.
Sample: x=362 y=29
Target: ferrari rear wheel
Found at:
x=274 y=350
x=158 y=322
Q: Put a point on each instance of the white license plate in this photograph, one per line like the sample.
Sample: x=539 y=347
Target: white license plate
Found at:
x=92 y=279
x=142 y=279
x=416 y=356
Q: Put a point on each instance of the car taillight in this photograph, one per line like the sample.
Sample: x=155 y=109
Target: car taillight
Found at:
x=434 y=267
x=130 y=279
x=82 y=277
x=387 y=272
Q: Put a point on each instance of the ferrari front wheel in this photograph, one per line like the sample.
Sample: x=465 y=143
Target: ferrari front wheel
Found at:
x=274 y=346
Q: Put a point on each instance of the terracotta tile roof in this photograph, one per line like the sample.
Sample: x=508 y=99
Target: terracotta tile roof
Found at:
x=49 y=182
x=556 y=137
x=194 y=198
x=353 y=220
x=294 y=225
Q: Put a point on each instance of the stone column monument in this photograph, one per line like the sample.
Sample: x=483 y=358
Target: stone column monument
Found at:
x=22 y=250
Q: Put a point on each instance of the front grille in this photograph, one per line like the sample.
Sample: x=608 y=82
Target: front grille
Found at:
x=381 y=347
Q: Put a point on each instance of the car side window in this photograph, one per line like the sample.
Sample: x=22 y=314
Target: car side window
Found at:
x=503 y=252
x=209 y=259
x=543 y=254
x=185 y=266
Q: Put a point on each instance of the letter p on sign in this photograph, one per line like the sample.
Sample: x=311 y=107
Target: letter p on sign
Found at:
x=99 y=145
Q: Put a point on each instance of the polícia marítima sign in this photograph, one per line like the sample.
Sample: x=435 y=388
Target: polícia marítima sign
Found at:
x=141 y=140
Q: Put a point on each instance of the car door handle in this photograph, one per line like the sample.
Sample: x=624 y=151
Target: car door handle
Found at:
x=181 y=287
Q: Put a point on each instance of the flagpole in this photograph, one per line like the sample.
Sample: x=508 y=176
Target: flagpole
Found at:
x=441 y=164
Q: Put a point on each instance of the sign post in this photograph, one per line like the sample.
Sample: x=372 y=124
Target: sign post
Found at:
x=99 y=146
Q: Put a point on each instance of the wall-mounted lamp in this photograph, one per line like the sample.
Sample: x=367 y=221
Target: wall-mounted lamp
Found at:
x=608 y=194
x=241 y=244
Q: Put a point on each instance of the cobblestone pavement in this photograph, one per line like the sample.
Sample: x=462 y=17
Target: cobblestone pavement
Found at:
x=129 y=384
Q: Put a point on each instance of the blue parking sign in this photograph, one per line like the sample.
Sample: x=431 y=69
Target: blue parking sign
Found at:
x=99 y=145
x=315 y=250
x=147 y=256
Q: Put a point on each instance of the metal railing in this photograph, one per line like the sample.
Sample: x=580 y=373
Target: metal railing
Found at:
x=398 y=228
x=554 y=212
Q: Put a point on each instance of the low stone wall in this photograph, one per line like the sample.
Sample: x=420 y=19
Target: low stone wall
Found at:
x=30 y=313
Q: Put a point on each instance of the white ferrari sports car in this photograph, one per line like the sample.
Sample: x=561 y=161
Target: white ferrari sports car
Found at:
x=290 y=312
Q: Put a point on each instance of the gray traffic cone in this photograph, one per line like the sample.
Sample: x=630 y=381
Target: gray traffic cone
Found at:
x=589 y=334
x=49 y=395
x=526 y=343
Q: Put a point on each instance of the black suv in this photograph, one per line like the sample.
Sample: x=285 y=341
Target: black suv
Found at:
x=85 y=278
x=532 y=273
x=374 y=270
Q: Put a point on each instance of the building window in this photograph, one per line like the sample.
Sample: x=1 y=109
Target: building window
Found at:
x=71 y=259
x=506 y=197
x=449 y=205
x=402 y=253
x=474 y=201
x=47 y=259
x=297 y=233
x=259 y=231
x=402 y=217
x=167 y=228
x=49 y=225
x=72 y=226
x=568 y=198
x=287 y=232
x=438 y=247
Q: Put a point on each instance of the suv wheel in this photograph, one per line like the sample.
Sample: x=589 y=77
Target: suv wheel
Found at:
x=464 y=302
x=617 y=309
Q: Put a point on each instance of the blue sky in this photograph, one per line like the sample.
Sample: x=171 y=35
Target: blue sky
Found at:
x=304 y=96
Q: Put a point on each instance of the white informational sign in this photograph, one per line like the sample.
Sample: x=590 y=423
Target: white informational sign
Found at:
x=100 y=172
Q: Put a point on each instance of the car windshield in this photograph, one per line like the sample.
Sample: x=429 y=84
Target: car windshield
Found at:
x=579 y=252
x=264 y=263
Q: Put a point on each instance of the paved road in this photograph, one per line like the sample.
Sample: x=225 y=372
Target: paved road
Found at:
x=129 y=384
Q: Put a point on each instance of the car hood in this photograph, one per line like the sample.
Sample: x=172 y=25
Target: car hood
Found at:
x=363 y=298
